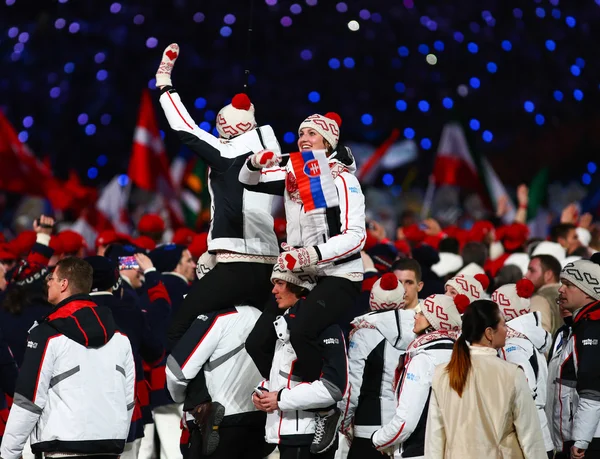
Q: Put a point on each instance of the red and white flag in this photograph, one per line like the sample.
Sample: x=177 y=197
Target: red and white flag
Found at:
x=149 y=165
x=455 y=165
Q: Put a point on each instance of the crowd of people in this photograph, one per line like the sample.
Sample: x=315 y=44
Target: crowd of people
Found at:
x=440 y=343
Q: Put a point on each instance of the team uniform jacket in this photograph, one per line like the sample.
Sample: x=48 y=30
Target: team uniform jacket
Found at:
x=75 y=392
x=377 y=343
x=214 y=344
x=241 y=218
x=407 y=427
x=338 y=233
x=8 y=378
x=292 y=424
x=525 y=346
x=574 y=381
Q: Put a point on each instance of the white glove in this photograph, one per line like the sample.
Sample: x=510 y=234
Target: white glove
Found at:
x=205 y=263
x=293 y=258
x=163 y=74
x=265 y=158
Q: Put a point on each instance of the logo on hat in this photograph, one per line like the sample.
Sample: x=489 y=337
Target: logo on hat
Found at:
x=312 y=169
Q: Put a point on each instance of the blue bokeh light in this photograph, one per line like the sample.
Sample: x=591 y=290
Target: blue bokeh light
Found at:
x=539 y=119
x=409 y=133
x=529 y=106
x=578 y=94
x=400 y=87
x=425 y=143
x=475 y=83
x=474 y=124
x=401 y=105
x=366 y=119
x=571 y=22
x=334 y=63
x=448 y=103
x=69 y=67
x=27 y=122
x=487 y=136
x=388 y=179
x=550 y=45
x=102 y=160
x=586 y=179
x=101 y=75
x=205 y=126
x=506 y=45
x=576 y=71
x=473 y=48
x=23 y=136
x=438 y=45
x=492 y=67
x=200 y=103
x=210 y=115
x=423 y=49
x=314 y=97
x=225 y=31
x=90 y=129
x=289 y=137
x=123 y=180
x=423 y=105
x=403 y=51
x=349 y=63
x=558 y=95
x=92 y=173
x=592 y=167
x=580 y=62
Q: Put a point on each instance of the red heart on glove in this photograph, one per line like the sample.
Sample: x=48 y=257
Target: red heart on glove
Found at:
x=171 y=55
x=266 y=157
x=290 y=261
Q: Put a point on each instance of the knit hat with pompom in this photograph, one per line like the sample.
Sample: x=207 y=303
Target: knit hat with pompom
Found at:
x=327 y=125
x=443 y=312
x=513 y=299
x=236 y=118
x=387 y=293
x=472 y=286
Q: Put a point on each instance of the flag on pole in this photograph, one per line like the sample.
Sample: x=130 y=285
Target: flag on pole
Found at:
x=456 y=165
x=315 y=182
x=149 y=165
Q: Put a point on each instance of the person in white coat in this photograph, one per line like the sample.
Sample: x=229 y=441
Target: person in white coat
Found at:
x=437 y=327
x=377 y=342
x=526 y=343
x=327 y=240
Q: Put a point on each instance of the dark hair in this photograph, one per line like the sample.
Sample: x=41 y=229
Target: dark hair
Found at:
x=18 y=298
x=561 y=230
x=408 y=264
x=78 y=272
x=479 y=315
x=549 y=263
x=580 y=251
x=297 y=290
x=508 y=274
x=474 y=252
x=449 y=245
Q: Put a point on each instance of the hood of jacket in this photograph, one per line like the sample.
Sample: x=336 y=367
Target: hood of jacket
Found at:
x=83 y=321
x=530 y=325
x=396 y=325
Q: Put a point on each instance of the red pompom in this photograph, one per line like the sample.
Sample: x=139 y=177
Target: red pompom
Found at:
x=389 y=281
x=483 y=280
x=525 y=288
x=462 y=302
x=241 y=102
x=335 y=117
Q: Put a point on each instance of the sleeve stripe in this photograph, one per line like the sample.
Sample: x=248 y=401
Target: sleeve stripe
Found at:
x=345 y=253
x=393 y=439
x=346 y=199
x=178 y=112
x=204 y=336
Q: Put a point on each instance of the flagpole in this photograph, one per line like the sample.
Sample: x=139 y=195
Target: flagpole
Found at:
x=428 y=200
x=249 y=48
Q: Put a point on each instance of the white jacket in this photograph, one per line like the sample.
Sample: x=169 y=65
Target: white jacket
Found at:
x=75 y=391
x=338 y=233
x=525 y=346
x=407 y=427
x=377 y=343
x=292 y=425
x=215 y=344
x=241 y=219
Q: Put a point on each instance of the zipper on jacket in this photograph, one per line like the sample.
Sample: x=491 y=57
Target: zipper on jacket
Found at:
x=571 y=412
x=324 y=238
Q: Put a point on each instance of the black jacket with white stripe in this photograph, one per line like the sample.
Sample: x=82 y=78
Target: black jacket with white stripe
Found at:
x=241 y=218
x=75 y=392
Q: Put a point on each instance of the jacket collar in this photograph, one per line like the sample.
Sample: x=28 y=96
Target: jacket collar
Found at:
x=76 y=297
x=590 y=311
x=173 y=273
x=481 y=350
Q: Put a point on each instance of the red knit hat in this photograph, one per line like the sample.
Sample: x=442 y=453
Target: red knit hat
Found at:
x=56 y=245
x=71 y=241
x=414 y=234
x=151 y=223
x=22 y=244
x=387 y=293
x=513 y=236
x=7 y=253
x=199 y=245
x=183 y=236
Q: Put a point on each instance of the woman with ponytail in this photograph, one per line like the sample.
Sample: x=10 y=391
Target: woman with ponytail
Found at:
x=437 y=326
x=480 y=405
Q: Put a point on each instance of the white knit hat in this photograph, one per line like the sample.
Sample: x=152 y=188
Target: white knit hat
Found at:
x=583 y=235
x=443 y=312
x=513 y=299
x=327 y=125
x=387 y=293
x=472 y=286
x=550 y=248
x=471 y=269
x=585 y=275
x=302 y=277
x=236 y=118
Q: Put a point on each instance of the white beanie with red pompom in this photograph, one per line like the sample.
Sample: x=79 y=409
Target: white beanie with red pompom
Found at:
x=327 y=125
x=513 y=299
x=472 y=286
x=236 y=118
x=387 y=293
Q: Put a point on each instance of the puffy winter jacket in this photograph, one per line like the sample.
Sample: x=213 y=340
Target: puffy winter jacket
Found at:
x=377 y=343
x=338 y=233
x=292 y=424
x=75 y=391
x=525 y=346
